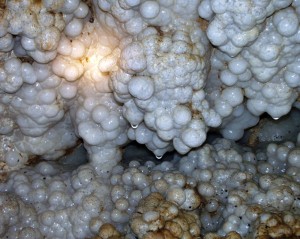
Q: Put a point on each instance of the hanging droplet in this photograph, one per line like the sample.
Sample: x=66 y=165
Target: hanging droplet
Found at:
x=275 y=118
x=134 y=126
x=158 y=156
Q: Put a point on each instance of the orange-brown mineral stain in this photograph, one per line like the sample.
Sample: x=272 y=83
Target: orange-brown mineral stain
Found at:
x=203 y=24
x=36 y=2
x=2 y=6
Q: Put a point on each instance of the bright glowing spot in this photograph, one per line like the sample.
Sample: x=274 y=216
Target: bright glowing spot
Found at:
x=109 y=63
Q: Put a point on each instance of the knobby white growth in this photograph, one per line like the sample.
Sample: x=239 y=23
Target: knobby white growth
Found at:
x=162 y=73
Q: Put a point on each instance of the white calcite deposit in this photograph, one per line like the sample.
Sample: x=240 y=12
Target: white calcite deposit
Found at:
x=172 y=75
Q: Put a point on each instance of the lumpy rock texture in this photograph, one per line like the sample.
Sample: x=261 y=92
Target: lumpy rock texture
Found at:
x=110 y=72
x=163 y=73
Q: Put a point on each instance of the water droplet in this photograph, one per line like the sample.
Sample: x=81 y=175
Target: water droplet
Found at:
x=134 y=126
x=276 y=118
x=158 y=156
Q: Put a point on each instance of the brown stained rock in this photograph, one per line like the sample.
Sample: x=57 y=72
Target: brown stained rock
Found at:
x=2 y=4
x=3 y=167
x=108 y=231
x=156 y=235
x=172 y=222
x=161 y=234
x=174 y=228
x=280 y=231
x=168 y=210
x=182 y=221
x=194 y=200
x=36 y=1
x=278 y=225
x=3 y=177
x=151 y=202
x=203 y=24
x=168 y=234
x=230 y=235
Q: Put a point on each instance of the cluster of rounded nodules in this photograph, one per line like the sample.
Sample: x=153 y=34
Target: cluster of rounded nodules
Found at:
x=112 y=71
x=157 y=218
x=214 y=189
x=140 y=69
